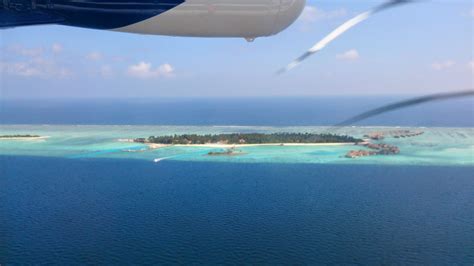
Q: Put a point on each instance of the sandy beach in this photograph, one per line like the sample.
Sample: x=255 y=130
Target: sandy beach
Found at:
x=25 y=138
x=218 y=145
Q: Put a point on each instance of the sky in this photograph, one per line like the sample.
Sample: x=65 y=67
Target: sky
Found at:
x=414 y=49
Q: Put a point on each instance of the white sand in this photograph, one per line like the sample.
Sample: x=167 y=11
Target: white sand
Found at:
x=25 y=138
x=219 y=145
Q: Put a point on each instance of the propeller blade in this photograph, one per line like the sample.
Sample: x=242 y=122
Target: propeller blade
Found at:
x=404 y=104
x=340 y=30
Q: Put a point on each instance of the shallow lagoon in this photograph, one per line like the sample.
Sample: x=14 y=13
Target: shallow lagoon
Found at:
x=438 y=146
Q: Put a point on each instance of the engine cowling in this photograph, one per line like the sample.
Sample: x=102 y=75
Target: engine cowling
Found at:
x=200 y=18
x=222 y=18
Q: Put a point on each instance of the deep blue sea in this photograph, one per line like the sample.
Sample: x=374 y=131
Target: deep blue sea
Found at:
x=291 y=111
x=103 y=211
x=118 y=211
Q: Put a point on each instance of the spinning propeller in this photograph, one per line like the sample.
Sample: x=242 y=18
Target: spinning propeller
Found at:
x=340 y=30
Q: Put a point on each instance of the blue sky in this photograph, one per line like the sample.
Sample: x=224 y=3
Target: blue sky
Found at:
x=414 y=49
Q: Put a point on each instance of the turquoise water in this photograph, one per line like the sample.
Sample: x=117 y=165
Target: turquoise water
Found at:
x=438 y=146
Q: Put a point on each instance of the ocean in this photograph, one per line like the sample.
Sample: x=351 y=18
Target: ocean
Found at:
x=112 y=211
x=290 y=111
x=78 y=198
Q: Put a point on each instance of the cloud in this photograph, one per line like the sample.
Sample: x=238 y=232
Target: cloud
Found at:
x=38 y=67
x=470 y=65
x=34 y=62
x=23 y=51
x=145 y=70
x=439 y=66
x=20 y=50
x=312 y=14
x=94 y=56
x=350 y=55
x=56 y=48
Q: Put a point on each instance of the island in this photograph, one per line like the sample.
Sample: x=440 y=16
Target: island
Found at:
x=21 y=137
x=233 y=139
x=379 y=135
x=375 y=149
x=227 y=152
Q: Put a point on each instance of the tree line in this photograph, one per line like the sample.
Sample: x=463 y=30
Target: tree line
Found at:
x=19 y=136
x=249 y=138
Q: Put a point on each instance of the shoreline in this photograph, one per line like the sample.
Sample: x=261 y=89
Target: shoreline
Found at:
x=216 y=145
x=25 y=138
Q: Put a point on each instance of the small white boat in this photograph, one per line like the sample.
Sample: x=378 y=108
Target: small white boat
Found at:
x=157 y=160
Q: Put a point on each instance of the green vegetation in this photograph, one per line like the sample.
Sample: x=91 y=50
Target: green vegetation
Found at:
x=18 y=136
x=249 y=138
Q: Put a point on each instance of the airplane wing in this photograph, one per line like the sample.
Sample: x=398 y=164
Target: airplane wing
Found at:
x=9 y=19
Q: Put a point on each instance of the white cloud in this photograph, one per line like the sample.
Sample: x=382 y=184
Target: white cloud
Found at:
x=37 y=67
x=23 y=51
x=34 y=62
x=56 y=48
x=443 y=65
x=472 y=13
x=312 y=14
x=470 y=65
x=350 y=55
x=166 y=69
x=145 y=70
x=94 y=56
x=19 y=69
